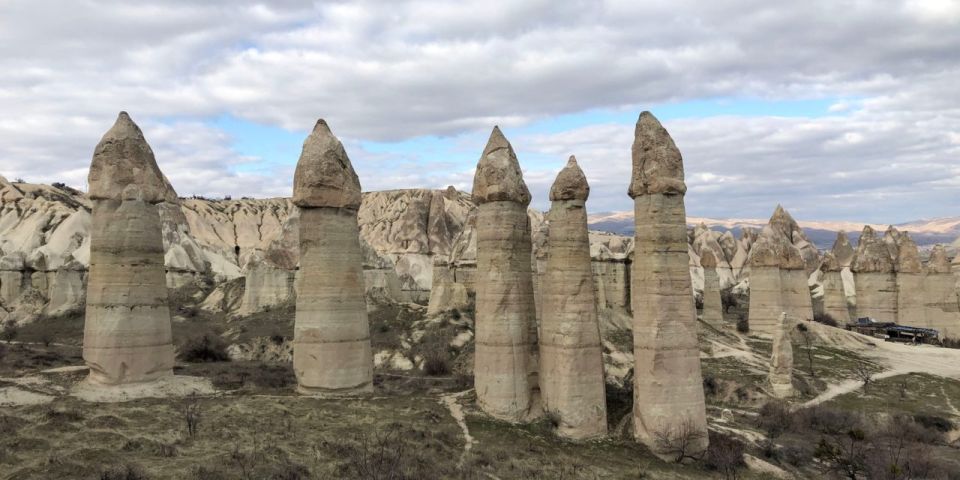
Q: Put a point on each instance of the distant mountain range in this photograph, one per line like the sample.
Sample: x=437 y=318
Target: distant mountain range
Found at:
x=821 y=233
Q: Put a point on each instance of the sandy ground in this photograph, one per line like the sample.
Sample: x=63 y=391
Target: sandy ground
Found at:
x=173 y=386
x=451 y=401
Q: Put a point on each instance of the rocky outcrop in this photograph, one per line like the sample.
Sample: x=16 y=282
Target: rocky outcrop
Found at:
x=447 y=294
x=780 y=376
x=505 y=363
x=712 y=303
x=331 y=344
x=875 y=278
x=783 y=222
x=571 y=359
x=834 y=295
x=668 y=385
x=941 y=297
x=127 y=333
x=842 y=250
x=766 y=291
x=910 y=279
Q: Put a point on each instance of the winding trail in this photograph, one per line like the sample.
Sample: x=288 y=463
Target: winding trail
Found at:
x=456 y=411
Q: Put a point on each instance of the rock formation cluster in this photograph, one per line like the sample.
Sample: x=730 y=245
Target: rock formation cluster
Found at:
x=571 y=357
x=875 y=278
x=668 y=385
x=127 y=332
x=941 y=295
x=331 y=345
x=505 y=362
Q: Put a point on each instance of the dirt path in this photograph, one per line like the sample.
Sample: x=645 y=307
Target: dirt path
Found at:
x=456 y=411
x=848 y=386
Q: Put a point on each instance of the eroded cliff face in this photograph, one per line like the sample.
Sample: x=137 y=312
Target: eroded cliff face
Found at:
x=45 y=244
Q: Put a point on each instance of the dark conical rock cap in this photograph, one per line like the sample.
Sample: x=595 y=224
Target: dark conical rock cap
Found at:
x=908 y=255
x=571 y=183
x=708 y=259
x=324 y=176
x=938 y=263
x=124 y=157
x=657 y=163
x=830 y=263
x=498 y=177
x=872 y=254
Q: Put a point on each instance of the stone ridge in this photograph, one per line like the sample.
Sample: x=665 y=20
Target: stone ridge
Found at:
x=498 y=177
x=657 y=163
x=324 y=176
x=872 y=254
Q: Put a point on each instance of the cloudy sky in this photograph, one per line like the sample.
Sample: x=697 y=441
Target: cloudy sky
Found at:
x=837 y=109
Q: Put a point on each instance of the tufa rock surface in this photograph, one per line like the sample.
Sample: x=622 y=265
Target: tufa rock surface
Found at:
x=781 y=359
x=668 y=384
x=498 y=177
x=324 y=176
x=571 y=355
x=123 y=158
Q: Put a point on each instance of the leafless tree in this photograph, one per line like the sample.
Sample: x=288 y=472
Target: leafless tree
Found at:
x=807 y=338
x=191 y=415
x=682 y=442
x=864 y=374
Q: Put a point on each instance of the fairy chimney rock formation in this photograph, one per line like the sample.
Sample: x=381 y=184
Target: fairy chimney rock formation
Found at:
x=766 y=297
x=781 y=360
x=331 y=344
x=571 y=356
x=712 y=304
x=875 y=278
x=834 y=295
x=842 y=249
x=505 y=361
x=910 y=280
x=668 y=390
x=127 y=333
x=940 y=295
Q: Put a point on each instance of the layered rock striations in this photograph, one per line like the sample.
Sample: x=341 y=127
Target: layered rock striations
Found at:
x=875 y=278
x=571 y=357
x=331 y=345
x=941 y=296
x=766 y=291
x=712 y=303
x=668 y=390
x=127 y=332
x=505 y=362
x=780 y=376
x=834 y=295
x=910 y=281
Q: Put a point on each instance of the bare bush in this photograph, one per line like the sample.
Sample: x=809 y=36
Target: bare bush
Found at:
x=807 y=339
x=844 y=454
x=9 y=331
x=123 y=472
x=743 y=325
x=724 y=455
x=681 y=442
x=206 y=348
x=864 y=373
x=191 y=416
x=826 y=319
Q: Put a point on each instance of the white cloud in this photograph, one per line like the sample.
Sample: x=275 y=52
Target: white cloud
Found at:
x=392 y=71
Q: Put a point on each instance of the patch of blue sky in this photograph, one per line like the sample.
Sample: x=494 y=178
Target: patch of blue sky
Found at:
x=277 y=146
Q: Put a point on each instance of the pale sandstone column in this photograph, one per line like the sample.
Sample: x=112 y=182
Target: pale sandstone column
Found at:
x=127 y=333
x=875 y=278
x=331 y=340
x=712 y=303
x=668 y=386
x=505 y=362
x=834 y=295
x=781 y=359
x=910 y=294
x=940 y=295
x=796 y=301
x=766 y=298
x=571 y=357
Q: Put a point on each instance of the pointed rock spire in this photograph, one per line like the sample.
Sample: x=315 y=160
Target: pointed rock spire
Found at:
x=830 y=263
x=498 y=177
x=124 y=157
x=571 y=183
x=324 y=176
x=908 y=255
x=939 y=262
x=657 y=163
x=842 y=250
x=872 y=254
